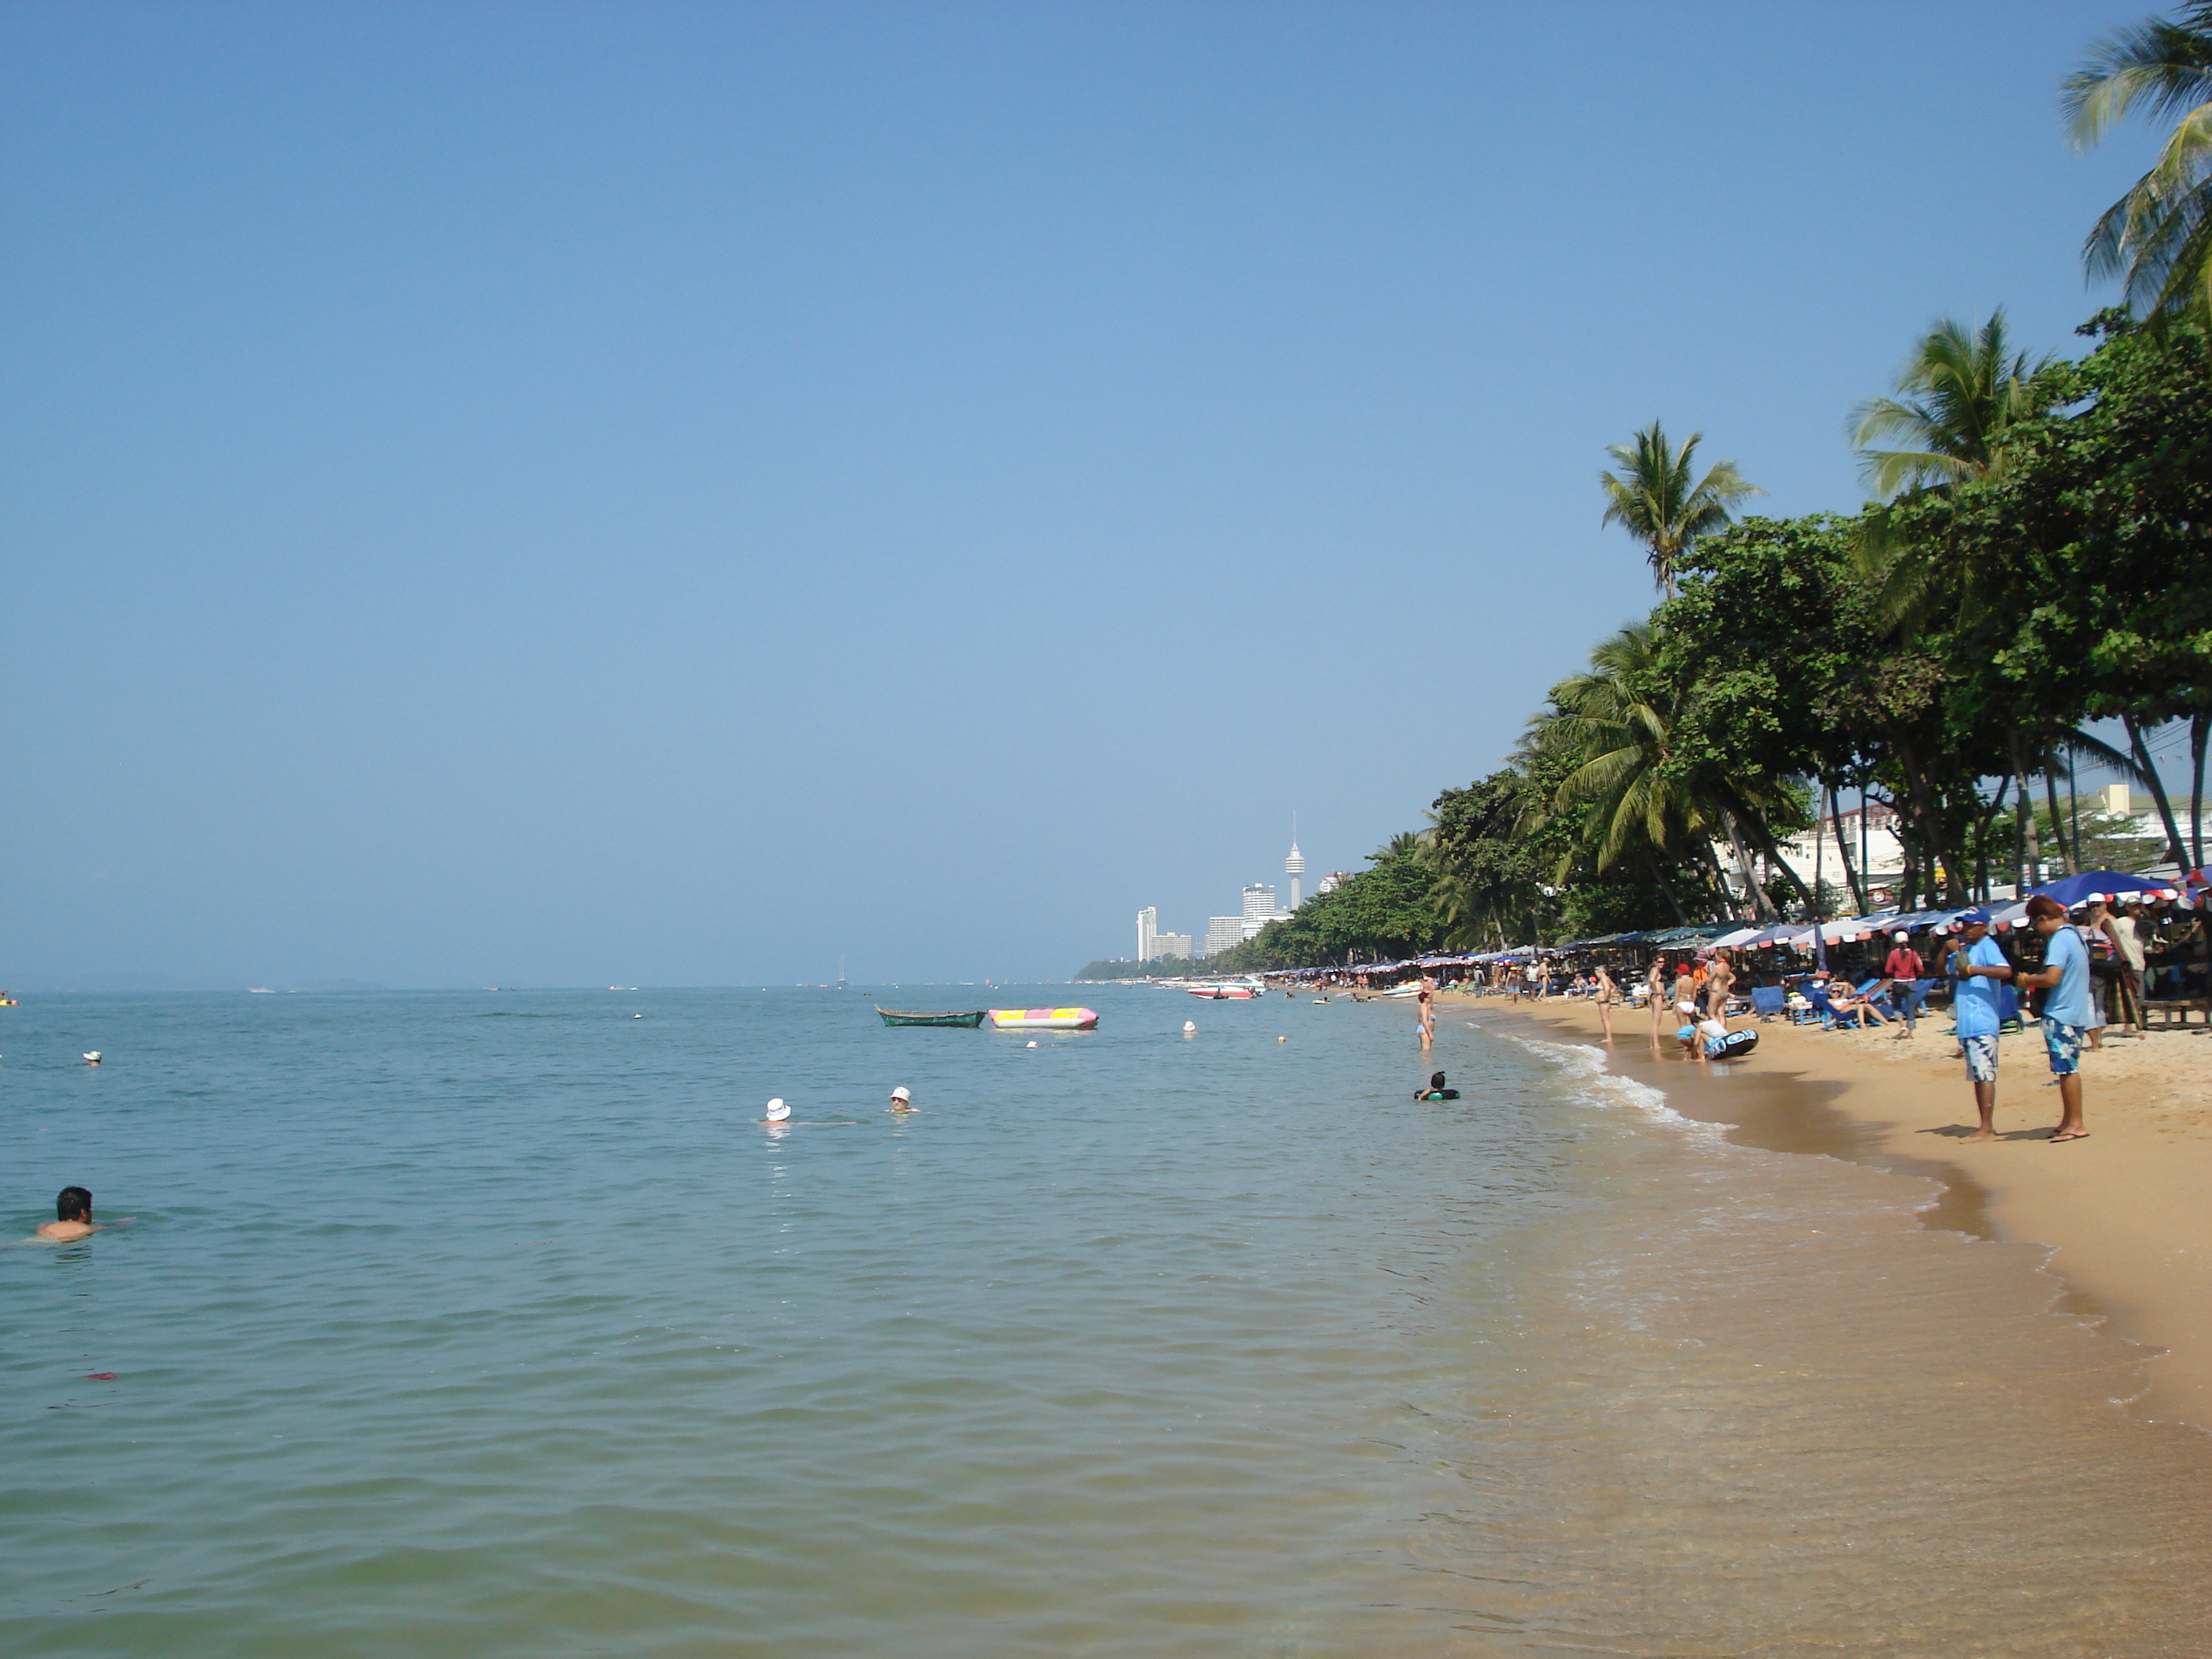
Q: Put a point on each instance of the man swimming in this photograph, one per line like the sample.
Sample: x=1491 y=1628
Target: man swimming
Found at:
x=72 y=1218
x=902 y=1102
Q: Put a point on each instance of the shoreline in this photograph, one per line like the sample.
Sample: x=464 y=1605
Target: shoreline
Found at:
x=2126 y=1214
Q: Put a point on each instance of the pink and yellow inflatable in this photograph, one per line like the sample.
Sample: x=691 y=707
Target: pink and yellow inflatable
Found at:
x=1043 y=1019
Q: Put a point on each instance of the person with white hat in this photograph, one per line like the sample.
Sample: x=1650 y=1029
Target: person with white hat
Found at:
x=902 y=1101
x=777 y=1112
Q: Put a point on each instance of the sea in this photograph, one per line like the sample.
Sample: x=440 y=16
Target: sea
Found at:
x=497 y=1323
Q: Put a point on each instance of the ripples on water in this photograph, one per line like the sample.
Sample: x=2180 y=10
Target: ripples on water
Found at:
x=492 y=1325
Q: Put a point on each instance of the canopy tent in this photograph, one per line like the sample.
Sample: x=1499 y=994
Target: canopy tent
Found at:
x=2107 y=884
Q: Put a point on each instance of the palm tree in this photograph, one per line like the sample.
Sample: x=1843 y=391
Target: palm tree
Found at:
x=2158 y=237
x=1961 y=391
x=1653 y=499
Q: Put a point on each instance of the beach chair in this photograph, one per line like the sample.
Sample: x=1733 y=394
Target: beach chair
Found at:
x=1823 y=1009
x=1766 y=1000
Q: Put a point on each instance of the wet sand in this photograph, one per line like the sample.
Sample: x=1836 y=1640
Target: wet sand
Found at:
x=2127 y=1213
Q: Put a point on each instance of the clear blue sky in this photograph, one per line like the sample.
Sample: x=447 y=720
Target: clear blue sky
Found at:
x=540 y=494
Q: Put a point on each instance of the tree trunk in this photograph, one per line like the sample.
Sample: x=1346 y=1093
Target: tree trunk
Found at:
x=1984 y=825
x=2058 y=824
x=2200 y=730
x=1762 y=907
x=1673 y=899
x=2031 y=855
x=2174 y=849
x=1844 y=851
x=1924 y=810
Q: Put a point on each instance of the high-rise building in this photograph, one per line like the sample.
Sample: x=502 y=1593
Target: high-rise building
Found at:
x=1147 y=932
x=1295 y=866
x=1259 y=909
x=1222 y=932
x=1172 y=947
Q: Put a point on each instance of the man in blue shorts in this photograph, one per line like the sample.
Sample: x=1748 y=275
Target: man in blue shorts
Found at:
x=1978 y=972
x=2066 y=1011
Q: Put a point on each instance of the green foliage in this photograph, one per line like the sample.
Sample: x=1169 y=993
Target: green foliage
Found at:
x=1382 y=913
x=1657 y=499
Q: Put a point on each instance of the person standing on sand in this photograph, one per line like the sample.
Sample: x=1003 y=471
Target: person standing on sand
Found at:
x=1904 y=970
x=2122 y=928
x=1720 y=979
x=1978 y=972
x=1602 y=982
x=2066 y=1011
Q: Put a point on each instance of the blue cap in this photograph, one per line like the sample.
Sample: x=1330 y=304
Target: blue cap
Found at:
x=1967 y=918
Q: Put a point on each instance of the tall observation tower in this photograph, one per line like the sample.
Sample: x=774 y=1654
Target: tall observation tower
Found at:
x=1295 y=866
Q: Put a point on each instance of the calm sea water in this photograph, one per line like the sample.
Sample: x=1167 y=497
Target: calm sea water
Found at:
x=493 y=1324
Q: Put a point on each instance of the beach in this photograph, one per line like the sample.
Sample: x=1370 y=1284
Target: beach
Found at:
x=2123 y=1213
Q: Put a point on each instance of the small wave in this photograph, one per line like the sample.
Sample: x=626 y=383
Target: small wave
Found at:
x=1586 y=1066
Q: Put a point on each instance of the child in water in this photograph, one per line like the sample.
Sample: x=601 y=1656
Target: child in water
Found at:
x=1436 y=1091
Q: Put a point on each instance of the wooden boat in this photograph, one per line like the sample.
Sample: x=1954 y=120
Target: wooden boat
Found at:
x=970 y=1017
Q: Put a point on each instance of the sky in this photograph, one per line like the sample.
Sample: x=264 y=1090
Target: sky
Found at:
x=657 y=494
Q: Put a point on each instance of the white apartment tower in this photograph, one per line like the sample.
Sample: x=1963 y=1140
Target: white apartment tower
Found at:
x=1148 y=929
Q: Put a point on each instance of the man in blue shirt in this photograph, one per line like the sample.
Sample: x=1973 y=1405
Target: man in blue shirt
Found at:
x=2066 y=1011
x=1978 y=972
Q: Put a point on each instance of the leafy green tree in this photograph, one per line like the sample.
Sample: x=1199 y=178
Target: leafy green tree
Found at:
x=2158 y=237
x=1654 y=498
x=1384 y=912
x=1959 y=394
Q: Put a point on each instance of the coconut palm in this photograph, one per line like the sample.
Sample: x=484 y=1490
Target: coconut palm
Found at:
x=2158 y=237
x=1960 y=392
x=1652 y=497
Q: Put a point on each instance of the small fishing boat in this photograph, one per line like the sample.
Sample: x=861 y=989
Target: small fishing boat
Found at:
x=970 y=1017
x=1043 y=1019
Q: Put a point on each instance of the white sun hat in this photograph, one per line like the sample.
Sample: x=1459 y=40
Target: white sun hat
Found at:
x=777 y=1111
x=900 y=1093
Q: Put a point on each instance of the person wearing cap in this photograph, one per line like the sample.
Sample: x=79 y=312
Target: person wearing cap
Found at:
x=1903 y=970
x=2066 y=1011
x=902 y=1101
x=1978 y=972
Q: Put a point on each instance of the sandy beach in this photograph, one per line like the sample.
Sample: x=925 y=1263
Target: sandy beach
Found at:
x=2124 y=1212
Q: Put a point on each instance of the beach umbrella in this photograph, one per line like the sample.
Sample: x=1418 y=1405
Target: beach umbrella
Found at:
x=1741 y=936
x=2093 y=885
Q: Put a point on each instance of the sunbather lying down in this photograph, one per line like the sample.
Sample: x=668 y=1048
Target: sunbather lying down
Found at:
x=1844 y=1003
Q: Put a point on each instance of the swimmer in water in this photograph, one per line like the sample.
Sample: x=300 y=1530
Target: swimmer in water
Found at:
x=72 y=1218
x=92 y=1057
x=902 y=1102
x=1436 y=1091
x=777 y=1112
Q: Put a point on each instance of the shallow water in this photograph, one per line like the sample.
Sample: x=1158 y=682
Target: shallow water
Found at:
x=492 y=1324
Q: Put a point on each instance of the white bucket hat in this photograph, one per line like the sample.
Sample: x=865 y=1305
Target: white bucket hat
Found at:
x=777 y=1111
x=900 y=1093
